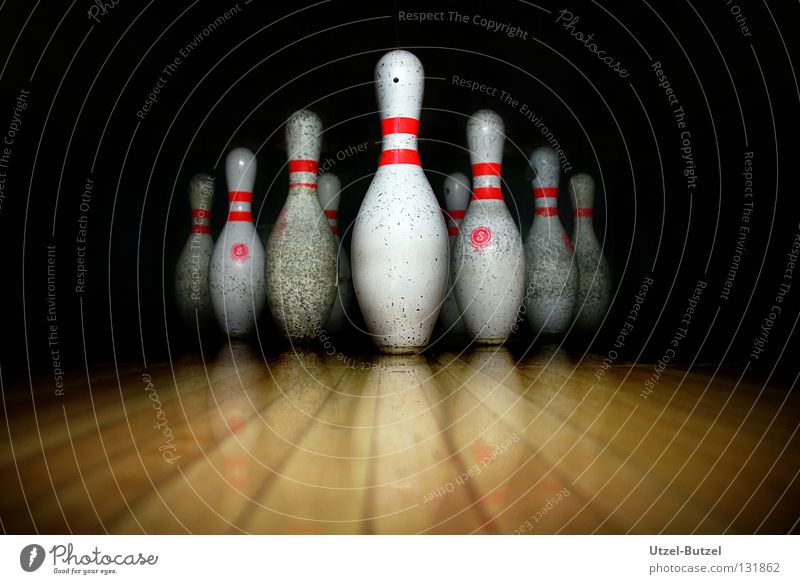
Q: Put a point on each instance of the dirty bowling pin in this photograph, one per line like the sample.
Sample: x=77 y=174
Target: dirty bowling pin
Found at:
x=488 y=267
x=236 y=274
x=594 y=274
x=301 y=251
x=551 y=275
x=456 y=198
x=191 y=273
x=328 y=188
x=399 y=247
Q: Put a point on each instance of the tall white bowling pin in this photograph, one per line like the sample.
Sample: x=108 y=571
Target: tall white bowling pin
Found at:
x=329 y=188
x=456 y=198
x=488 y=266
x=594 y=274
x=236 y=274
x=301 y=251
x=551 y=275
x=399 y=248
x=191 y=273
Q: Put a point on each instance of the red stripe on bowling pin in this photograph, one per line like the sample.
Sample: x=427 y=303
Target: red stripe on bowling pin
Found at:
x=399 y=126
x=200 y=219
x=545 y=192
x=546 y=199
x=582 y=212
x=303 y=166
x=240 y=197
x=240 y=216
x=487 y=175
x=240 y=213
x=332 y=215
x=486 y=193
x=486 y=169
x=395 y=126
x=399 y=156
x=297 y=179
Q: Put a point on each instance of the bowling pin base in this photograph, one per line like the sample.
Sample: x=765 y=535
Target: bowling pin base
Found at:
x=401 y=350
x=490 y=341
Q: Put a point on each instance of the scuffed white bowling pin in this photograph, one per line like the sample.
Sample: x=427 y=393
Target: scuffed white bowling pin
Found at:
x=301 y=251
x=594 y=274
x=329 y=188
x=488 y=267
x=236 y=274
x=399 y=248
x=456 y=198
x=191 y=273
x=551 y=275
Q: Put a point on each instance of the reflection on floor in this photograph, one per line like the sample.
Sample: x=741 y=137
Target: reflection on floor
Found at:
x=474 y=442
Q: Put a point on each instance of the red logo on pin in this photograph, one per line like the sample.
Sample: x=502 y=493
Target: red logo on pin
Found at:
x=480 y=238
x=239 y=252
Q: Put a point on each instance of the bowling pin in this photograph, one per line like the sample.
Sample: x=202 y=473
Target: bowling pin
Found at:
x=456 y=198
x=594 y=274
x=551 y=275
x=399 y=247
x=328 y=188
x=488 y=267
x=301 y=251
x=236 y=274
x=191 y=273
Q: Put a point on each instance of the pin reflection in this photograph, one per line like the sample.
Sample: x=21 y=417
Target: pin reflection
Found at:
x=408 y=452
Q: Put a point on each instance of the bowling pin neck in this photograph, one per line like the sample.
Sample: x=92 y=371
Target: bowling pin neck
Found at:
x=201 y=193
x=583 y=235
x=583 y=218
x=456 y=199
x=545 y=201
x=332 y=215
x=485 y=135
x=240 y=206
x=399 y=144
x=399 y=85
x=302 y=174
x=328 y=188
x=201 y=221
x=581 y=190
x=453 y=218
x=303 y=143
x=486 y=181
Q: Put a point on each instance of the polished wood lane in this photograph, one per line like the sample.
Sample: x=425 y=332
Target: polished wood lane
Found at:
x=474 y=442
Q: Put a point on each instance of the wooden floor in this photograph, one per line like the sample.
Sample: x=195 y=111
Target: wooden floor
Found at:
x=473 y=442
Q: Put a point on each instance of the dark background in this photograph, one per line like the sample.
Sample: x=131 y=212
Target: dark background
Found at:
x=87 y=80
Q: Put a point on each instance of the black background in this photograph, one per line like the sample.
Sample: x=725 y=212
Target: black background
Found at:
x=87 y=80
